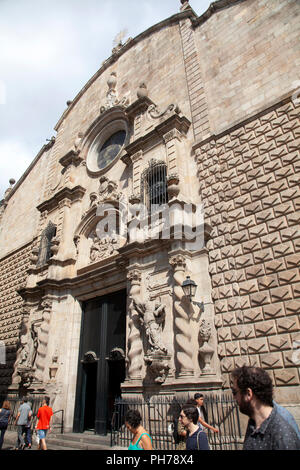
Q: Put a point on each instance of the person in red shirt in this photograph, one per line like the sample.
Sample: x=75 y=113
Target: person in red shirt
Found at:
x=44 y=416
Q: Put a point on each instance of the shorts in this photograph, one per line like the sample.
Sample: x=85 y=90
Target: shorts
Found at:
x=42 y=433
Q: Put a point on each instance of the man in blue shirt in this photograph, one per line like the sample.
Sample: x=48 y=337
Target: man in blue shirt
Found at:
x=267 y=430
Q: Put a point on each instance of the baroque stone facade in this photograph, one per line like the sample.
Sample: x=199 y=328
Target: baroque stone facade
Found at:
x=92 y=287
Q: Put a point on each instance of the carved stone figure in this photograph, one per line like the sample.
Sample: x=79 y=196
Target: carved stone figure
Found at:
x=29 y=345
x=152 y=320
x=108 y=190
x=206 y=351
x=103 y=248
x=111 y=95
x=158 y=368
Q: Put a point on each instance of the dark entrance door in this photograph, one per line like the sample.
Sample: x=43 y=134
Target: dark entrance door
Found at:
x=101 y=367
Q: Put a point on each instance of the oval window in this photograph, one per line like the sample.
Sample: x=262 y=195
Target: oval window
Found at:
x=108 y=151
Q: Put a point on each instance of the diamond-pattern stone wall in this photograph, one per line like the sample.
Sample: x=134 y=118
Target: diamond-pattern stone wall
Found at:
x=249 y=180
x=13 y=274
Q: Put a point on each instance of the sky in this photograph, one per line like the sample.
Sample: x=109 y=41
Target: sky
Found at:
x=49 y=49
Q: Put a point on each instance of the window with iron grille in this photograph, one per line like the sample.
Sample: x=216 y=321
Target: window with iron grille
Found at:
x=154 y=185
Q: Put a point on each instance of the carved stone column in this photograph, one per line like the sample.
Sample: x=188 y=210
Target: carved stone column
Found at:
x=183 y=343
x=42 y=340
x=134 y=344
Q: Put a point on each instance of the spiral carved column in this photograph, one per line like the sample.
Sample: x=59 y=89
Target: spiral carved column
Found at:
x=183 y=343
x=42 y=340
x=134 y=344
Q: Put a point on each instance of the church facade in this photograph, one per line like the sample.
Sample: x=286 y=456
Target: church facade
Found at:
x=153 y=244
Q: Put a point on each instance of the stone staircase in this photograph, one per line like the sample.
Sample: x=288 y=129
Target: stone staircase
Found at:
x=68 y=441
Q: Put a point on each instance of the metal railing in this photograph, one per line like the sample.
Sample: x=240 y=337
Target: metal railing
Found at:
x=35 y=402
x=160 y=418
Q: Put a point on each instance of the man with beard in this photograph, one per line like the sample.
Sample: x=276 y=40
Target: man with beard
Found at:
x=267 y=429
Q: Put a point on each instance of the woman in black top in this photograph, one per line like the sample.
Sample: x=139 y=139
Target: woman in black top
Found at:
x=4 y=417
x=197 y=438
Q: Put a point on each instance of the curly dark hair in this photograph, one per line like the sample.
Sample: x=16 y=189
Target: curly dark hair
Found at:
x=191 y=413
x=133 y=418
x=258 y=380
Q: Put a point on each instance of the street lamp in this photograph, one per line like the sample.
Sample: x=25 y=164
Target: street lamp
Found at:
x=189 y=288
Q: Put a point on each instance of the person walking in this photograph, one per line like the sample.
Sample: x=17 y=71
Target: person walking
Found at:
x=22 y=421
x=5 y=413
x=141 y=438
x=202 y=419
x=252 y=389
x=196 y=438
x=44 y=416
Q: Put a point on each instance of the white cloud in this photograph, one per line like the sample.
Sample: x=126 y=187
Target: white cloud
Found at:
x=15 y=159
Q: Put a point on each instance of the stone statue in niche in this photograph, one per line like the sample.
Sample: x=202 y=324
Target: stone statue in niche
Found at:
x=29 y=347
x=152 y=319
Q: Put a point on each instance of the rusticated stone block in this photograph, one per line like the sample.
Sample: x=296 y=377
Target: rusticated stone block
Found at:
x=251 y=246
x=265 y=328
x=247 y=222
x=224 y=334
x=227 y=365
x=286 y=377
x=279 y=342
x=253 y=314
x=234 y=303
x=260 y=194
x=271 y=361
x=290 y=233
x=241 y=361
x=278 y=186
x=271 y=201
x=232 y=349
x=248 y=287
x=244 y=261
x=258 y=231
x=277 y=224
x=296 y=290
x=222 y=266
x=267 y=282
x=248 y=331
x=275 y=266
x=265 y=180
x=289 y=277
x=257 y=346
x=220 y=306
x=237 y=332
x=290 y=193
x=217 y=280
x=218 y=321
x=289 y=358
x=293 y=261
x=255 y=271
x=283 y=250
x=260 y=298
x=293 y=219
x=229 y=319
x=273 y=310
x=265 y=216
x=287 y=324
x=225 y=292
x=292 y=307
x=239 y=237
x=281 y=293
